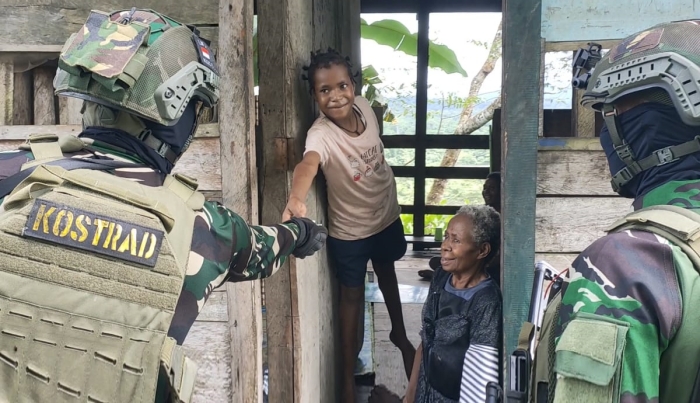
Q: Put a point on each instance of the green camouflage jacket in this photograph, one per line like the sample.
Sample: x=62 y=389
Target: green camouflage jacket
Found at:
x=224 y=246
x=643 y=280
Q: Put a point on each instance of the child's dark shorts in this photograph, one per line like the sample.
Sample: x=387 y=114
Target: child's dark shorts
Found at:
x=349 y=258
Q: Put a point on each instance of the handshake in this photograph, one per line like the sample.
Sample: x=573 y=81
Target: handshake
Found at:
x=311 y=238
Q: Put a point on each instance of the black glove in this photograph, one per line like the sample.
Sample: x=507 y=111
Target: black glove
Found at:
x=311 y=238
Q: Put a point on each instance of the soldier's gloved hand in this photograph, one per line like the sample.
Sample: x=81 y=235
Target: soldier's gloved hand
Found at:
x=311 y=239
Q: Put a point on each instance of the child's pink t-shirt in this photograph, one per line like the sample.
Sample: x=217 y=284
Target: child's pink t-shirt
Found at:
x=362 y=198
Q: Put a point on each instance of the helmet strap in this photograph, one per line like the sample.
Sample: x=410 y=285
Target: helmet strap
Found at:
x=633 y=167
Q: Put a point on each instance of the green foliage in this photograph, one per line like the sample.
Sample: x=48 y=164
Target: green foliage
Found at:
x=370 y=78
x=395 y=35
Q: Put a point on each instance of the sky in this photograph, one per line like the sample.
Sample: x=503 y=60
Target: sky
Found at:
x=458 y=31
x=467 y=34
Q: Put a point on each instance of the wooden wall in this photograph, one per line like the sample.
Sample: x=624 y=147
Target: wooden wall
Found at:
x=575 y=202
x=301 y=300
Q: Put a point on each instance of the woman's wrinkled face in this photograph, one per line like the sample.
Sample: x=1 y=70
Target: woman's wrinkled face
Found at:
x=459 y=253
x=334 y=92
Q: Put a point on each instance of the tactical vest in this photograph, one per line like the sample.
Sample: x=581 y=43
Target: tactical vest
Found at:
x=91 y=268
x=599 y=383
x=445 y=338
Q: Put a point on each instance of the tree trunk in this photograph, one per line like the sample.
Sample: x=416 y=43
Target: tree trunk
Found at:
x=467 y=123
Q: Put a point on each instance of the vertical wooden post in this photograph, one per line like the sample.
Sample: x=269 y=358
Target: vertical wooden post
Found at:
x=44 y=106
x=23 y=105
x=284 y=43
x=7 y=88
x=300 y=299
x=522 y=55
x=239 y=187
x=69 y=111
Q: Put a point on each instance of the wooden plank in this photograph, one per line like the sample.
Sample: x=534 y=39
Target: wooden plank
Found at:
x=570 y=224
x=216 y=308
x=283 y=47
x=575 y=45
x=26 y=57
x=573 y=173
x=522 y=58
x=22 y=102
x=301 y=348
x=200 y=161
x=7 y=89
x=567 y=143
x=208 y=130
x=69 y=111
x=209 y=345
x=592 y=20
x=44 y=103
x=239 y=188
x=41 y=22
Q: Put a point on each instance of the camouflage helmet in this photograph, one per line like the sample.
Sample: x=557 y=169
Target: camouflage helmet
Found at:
x=662 y=61
x=138 y=61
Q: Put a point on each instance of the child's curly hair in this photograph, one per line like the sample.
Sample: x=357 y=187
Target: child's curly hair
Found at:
x=324 y=60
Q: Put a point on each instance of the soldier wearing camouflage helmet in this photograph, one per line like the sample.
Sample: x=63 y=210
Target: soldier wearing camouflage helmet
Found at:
x=623 y=327
x=106 y=258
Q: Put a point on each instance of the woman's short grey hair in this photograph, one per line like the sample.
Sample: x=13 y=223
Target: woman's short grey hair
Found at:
x=486 y=225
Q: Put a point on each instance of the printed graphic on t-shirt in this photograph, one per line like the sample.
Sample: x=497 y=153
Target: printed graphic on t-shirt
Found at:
x=372 y=159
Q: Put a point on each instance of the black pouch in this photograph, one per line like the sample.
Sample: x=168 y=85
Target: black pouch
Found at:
x=444 y=357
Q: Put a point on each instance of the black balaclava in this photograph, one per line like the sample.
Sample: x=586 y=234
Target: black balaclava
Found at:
x=646 y=128
x=120 y=130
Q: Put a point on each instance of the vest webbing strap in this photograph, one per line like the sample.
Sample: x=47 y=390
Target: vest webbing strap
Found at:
x=525 y=336
x=180 y=369
x=8 y=184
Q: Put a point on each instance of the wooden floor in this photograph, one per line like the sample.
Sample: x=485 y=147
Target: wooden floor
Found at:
x=388 y=365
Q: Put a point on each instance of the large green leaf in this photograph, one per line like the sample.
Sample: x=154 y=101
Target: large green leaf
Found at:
x=395 y=35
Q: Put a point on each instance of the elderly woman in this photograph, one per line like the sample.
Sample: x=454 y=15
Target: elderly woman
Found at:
x=462 y=326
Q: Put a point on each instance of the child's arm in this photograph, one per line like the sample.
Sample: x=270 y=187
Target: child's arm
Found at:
x=304 y=174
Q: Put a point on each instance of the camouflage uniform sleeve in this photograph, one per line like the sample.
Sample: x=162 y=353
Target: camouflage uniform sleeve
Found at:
x=226 y=248
x=629 y=276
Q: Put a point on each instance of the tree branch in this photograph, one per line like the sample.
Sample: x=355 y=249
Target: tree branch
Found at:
x=478 y=80
x=478 y=120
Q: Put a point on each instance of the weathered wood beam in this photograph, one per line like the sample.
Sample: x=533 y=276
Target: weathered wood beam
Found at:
x=200 y=161
x=239 y=180
x=22 y=101
x=38 y=22
x=301 y=347
x=20 y=132
x=591 y=20
x=522 y=55
x=573 y=173
x=69 y=111
x=575 y=45
x=570 y=224
x=284 y=41
x=44 y=102
x=7 y=89
x=569 y=143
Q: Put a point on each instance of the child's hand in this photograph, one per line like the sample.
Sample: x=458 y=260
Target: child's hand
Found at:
x=295 y=208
